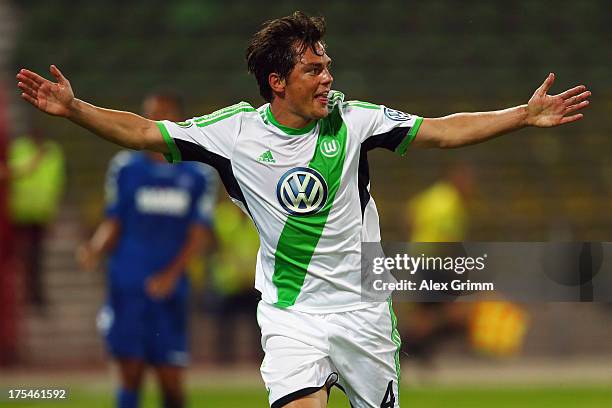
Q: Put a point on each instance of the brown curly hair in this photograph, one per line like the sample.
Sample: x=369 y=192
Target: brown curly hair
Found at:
x=277 y=46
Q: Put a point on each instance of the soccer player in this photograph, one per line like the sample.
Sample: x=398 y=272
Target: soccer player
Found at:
x=157 y=217
x=298 y=166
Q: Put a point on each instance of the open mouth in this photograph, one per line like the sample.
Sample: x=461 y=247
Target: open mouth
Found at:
x=322 y=97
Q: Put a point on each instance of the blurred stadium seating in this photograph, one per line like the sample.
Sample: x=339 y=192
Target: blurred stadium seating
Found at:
x=435 y=57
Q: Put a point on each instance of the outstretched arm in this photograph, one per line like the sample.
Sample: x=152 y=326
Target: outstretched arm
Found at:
x=57 y=98
x=542 y=110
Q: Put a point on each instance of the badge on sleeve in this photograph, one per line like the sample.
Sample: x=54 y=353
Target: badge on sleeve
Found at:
x=396 y=115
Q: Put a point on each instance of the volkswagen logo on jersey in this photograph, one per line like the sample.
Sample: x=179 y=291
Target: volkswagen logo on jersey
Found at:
x=302 y=191
x=396 y=115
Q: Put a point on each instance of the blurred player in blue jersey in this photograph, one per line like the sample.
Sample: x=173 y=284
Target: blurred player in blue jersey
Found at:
x=157 y=217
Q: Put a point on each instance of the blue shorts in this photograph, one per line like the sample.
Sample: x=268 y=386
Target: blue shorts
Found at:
x=138 y=327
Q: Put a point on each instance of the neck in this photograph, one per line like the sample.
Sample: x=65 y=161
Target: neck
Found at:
x=286 y=117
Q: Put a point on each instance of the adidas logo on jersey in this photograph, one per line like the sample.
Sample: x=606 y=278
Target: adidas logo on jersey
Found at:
x=266 y=157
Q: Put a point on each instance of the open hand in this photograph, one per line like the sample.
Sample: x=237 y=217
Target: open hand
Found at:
x=50 y=97
x=545 y=110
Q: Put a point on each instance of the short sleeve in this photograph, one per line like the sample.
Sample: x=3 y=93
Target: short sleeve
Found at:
x=113 y=186
x=380 y=126
x=204 y=138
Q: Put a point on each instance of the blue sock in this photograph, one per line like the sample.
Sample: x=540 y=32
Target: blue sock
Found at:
x=127 y=398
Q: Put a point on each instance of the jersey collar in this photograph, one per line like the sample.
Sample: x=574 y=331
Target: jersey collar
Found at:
x=288 y=130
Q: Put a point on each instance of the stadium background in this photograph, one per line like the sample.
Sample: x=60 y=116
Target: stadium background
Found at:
x=429 y=58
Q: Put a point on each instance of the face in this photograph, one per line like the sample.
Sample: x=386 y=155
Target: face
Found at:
x=156 y=108
x=308 y=84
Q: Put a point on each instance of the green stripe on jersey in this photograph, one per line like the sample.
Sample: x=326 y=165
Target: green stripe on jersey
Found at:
x=262 y=114
x=396 y=339
x=225 y=116
x=288 y=130
x=403 y=146
x=301 y=234
x=222 y=111
x=174 y=155
x=362 y=104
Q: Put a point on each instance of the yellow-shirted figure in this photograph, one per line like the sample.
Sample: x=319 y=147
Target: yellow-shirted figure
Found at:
x=440 y=213
x=232 y=276
x=37 y=176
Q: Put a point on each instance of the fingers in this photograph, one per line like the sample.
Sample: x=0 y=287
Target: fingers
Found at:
x=577 y=99
x=547 y=83
x=33 y=76
x=29 y=99
x=575 y=103
x=576 y=107
x=57 y=74
x=25 y=88
x=28 y=81
x=571 y=92
x=573 y=118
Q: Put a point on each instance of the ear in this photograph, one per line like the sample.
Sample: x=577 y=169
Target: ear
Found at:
x=276 y=83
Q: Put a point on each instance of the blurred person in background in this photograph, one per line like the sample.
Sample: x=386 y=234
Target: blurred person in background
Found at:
x=158 y=217
x=36 y=177
x=437 y=214
x=316 y=330
x=440 y=214
x=232 y=281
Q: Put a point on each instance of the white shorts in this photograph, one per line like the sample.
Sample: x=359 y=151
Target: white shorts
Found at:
x=357 y=350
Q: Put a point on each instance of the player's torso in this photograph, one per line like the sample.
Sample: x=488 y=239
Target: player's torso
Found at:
x=157 y=193
x=301 y=191
x=156 y=199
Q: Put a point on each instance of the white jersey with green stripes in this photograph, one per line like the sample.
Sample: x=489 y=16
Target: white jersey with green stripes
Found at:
x=306 y=190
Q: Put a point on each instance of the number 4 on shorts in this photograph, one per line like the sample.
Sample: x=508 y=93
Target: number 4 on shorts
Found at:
x=389 y=398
